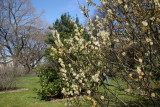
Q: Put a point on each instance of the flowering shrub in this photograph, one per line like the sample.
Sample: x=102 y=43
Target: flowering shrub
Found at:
x=126 y=42
x=50 y=76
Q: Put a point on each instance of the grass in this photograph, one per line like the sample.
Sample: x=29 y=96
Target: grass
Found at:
x=120 y=94
x=29 y=98
x=26 y=98
x=131 y=100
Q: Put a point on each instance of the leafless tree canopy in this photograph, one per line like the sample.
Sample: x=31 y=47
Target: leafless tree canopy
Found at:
x=21 y=35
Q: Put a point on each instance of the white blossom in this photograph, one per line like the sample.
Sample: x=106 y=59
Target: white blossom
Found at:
x=139 y=70
x=120 y=1
x=63 y=91
x=151 y=43
x=140 y=60
x=95 y=77
x=109 y=11
x=145 y=23
x=88 y=92
x=152 y=18
x=124 y=53
x=80 y=81
x=125 y=7
x=102 y=97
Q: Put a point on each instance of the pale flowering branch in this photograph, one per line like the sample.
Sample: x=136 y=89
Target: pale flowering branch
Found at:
x=127 y=53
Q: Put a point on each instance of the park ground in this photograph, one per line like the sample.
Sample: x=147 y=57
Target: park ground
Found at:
x=26 y=96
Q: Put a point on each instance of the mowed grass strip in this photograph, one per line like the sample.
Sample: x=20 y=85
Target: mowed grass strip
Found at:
x=26 y=98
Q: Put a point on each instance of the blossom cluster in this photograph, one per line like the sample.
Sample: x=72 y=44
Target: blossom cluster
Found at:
x=124 y=41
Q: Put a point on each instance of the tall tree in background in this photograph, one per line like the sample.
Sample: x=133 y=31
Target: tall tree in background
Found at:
x=64 y=26
x=19 y=27
x=66 y=29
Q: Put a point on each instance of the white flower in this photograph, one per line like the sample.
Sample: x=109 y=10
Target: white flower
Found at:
x=62 y=65
x=69 y=65
x=127 y=24
x=74 y=74
x=87 y=28
x=97 y=43
x=152 y=18
x=71 y=92
x=148 y=40
x=52 y=54
x=147 y=54
x=71 y=20
x=60 y=60
x=82 y=74
x=63 y=90
x=82 y=6
x=53 y=49
x=125 y=7
x=153 y=94
x=102 y=97
x=75 y=87
x=80 y=81
x=76 y=92
x=139 y=70
x=88 y=92
x=156 y=1
x=76 y=37
x=81 y=41
x=140 y=60
x=124 y=53
x=116 y=40
x=95 y=77
x=110 y=11
x=145 y=23
x=104 y=34
x=97 y=17
x=151 y=43
x=64 y=75
x=77 y=77
x=71 y=69
x=89 y=98
x=87 y=1
x=63 y=70
x=67 y=84
x=120 y=1
x=85 y=80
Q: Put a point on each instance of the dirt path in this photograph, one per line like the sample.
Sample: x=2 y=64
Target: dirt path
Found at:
x=72 y=98
x=14 y=90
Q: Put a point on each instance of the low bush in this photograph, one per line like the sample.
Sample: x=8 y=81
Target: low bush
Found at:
x=50 y=82
x=7 y=78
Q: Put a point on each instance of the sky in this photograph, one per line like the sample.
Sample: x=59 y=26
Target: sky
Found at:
x=53 y=9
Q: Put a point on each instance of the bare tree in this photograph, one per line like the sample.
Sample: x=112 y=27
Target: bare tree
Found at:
x=20 y=32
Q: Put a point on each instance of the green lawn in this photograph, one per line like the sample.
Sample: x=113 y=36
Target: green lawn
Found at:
x=29 y=98
x=26 y=98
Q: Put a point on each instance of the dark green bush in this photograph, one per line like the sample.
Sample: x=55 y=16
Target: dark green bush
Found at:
x=50 y=82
